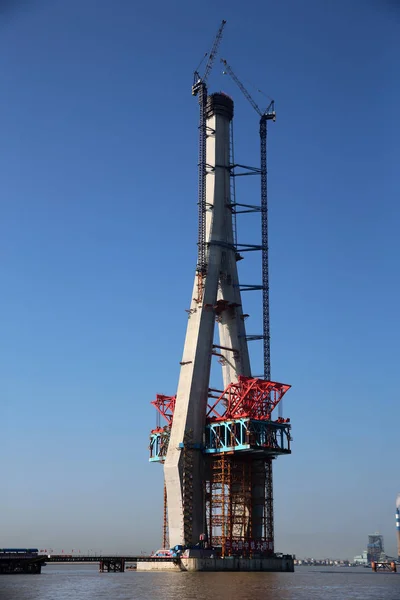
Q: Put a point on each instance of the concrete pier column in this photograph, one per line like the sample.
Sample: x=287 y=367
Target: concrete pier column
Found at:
x=219 y=282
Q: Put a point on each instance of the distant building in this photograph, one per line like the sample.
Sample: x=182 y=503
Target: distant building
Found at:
x=375 y=547
x=361 y=559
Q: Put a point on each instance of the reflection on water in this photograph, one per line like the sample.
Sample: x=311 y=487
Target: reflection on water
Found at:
x=84 y=582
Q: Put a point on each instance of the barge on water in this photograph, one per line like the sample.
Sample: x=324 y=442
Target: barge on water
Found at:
x=15 y=561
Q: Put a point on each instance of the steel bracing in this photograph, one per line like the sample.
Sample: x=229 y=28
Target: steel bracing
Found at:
x=248 y=396
x=236 y=506
x=239 y=419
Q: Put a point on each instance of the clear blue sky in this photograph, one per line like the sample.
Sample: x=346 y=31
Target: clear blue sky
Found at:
x=98 y=192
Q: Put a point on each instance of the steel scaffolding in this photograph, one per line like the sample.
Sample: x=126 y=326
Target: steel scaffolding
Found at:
x=237 y=509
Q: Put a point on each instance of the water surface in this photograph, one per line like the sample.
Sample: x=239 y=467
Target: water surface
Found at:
x=84 y=582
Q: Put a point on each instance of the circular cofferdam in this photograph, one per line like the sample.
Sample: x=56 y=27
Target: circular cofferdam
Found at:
x=220 y=104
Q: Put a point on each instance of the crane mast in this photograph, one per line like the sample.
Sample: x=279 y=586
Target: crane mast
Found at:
x=264 y=251
x=199 y=89
x=266 y=115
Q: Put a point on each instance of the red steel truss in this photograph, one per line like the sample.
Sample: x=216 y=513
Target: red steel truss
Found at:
x=249 y=397
x=165 y=406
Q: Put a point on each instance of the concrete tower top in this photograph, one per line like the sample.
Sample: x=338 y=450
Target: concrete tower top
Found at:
x=220 y=104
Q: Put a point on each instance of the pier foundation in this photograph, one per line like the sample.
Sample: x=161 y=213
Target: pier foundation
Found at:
x=284 y=564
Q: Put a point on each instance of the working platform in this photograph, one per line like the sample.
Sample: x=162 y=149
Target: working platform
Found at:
x=270 y=438
x=239 y=419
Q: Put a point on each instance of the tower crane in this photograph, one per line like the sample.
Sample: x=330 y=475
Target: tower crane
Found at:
x=266 y=115
x=199 y=88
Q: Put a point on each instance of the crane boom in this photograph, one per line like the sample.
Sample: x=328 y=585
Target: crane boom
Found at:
x=213 y=52
x=269 y=112
x=197 y=79
x=240 y=85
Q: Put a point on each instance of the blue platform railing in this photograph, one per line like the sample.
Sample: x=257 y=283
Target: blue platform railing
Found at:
x=269 y=438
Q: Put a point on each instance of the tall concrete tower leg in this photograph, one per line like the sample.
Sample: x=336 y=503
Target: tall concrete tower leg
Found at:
x=184 y=464
x=231 y=327
x=232 y=333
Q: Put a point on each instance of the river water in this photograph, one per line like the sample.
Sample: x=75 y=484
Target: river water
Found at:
x=84 y=582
